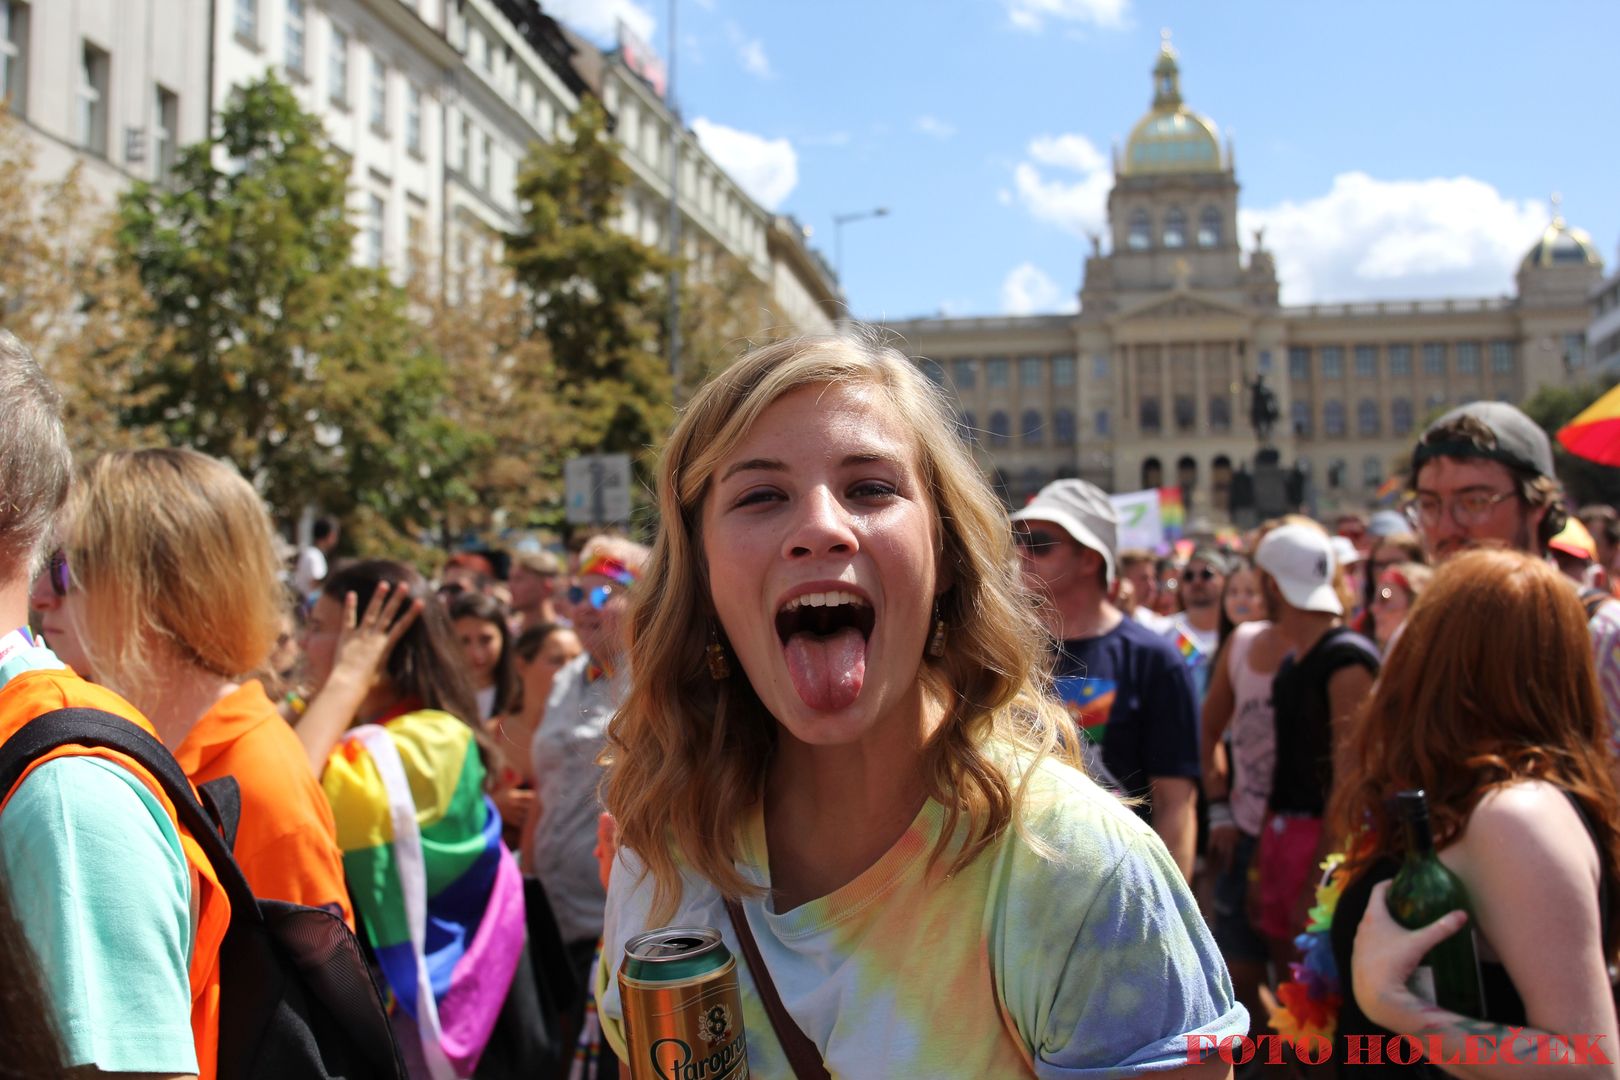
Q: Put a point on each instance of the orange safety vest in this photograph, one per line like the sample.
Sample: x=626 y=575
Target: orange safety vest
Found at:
x=34 y=693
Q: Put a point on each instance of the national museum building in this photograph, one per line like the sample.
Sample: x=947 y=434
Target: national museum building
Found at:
x=1150 y=384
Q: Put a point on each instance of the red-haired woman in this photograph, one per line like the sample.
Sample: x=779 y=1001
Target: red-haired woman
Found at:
x=1490 y=705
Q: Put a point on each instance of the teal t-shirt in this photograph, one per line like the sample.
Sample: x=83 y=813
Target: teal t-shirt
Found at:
x=102 y=892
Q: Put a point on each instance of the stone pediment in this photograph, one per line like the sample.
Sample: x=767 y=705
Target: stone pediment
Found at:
x=1182 y=305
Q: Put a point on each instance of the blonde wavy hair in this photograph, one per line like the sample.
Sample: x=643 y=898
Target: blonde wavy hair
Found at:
x=172 y=549
x=688 y=755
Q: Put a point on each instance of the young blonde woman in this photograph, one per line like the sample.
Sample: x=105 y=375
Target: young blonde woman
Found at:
x=173 y=603
x=836 y=717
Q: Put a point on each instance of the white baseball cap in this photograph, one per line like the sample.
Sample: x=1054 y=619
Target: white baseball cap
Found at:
x=1301 y=560
x=1344 y=550
x=1080 y=509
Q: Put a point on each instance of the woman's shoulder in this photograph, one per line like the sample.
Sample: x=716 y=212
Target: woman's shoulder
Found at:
x=1088 y=907
x=1524 y=812
x=1067 y=825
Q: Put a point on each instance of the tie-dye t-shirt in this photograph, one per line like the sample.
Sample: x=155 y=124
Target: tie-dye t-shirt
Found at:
x=1091 y=962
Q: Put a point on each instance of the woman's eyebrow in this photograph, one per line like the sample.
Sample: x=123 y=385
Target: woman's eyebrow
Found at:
x=760 y=464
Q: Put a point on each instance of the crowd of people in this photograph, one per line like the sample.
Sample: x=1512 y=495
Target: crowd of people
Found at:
x=981 y=792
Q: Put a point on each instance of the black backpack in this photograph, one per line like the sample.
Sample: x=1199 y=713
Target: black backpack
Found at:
x=297 y=998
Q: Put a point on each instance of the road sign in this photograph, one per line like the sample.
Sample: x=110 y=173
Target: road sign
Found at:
x=597 y=487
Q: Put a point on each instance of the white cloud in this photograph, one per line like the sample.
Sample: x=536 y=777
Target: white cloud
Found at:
x=1033 y=14
x=1067 y=151
x=935 y=127
x=768 y=169
x=1077 y=203
x=753 y=58
x=750 y=52
x=1373 y=239
x=1027 y=290
x=599 y=19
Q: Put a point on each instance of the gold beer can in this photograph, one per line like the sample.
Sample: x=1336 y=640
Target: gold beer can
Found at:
x=682 y=1008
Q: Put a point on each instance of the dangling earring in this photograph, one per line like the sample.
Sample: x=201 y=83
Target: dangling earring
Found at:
x=936 y=640
x=719 y=659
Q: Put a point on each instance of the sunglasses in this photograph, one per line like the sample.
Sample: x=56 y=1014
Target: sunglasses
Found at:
x=599 y=596
x=1035 y=541
x=57 y=568
x=1206 y=574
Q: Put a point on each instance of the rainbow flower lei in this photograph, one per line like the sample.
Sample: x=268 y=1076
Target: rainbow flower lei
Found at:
x=1308 y=1004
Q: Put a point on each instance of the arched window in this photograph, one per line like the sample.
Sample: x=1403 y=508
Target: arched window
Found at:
x=1367 y=417
x=1063 y=427
x=1141 y=232
x=1333 y=418
x=1372 y=472
x=1300 y=414
x=1148 y=414
x=1175 y=228
x=1335 y=474
x=1209 y=228
x=970 y=428
x=1152 y=473
x=999 y=429
x=1400 y=415
x=1187 y=473
x=1220 y=413
x=1030 y=429
x=1032 y=481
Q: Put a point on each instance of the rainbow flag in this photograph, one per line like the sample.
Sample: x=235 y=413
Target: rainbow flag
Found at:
x=1172 y=512
x=1390 y=490
x=440 y=896
x=1187 y=647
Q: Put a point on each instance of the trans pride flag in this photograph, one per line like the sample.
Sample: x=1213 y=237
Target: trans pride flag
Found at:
x=439 y=894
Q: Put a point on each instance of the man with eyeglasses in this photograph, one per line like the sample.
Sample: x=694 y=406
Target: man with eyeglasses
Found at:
x=1483 y=476
x=1129 y=692
x=1196 y=629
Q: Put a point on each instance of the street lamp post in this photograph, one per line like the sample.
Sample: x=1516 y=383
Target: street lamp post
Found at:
x=839 y=221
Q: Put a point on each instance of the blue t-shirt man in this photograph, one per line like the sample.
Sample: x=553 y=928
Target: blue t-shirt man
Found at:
x=1131 y=695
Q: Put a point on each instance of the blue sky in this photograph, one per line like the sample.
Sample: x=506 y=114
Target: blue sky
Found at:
x=1391 y=150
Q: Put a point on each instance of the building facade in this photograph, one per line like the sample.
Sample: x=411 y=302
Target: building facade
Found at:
x=116 y=86
x=716 y=215
x=1603 y=333
x=1150 y=384
x=433 y=104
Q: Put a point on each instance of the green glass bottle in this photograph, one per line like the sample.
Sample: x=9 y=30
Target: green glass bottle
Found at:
x=1423 y=891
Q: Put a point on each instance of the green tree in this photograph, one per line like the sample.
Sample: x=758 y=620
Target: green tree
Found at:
x=724 y=313
x=1584 y=481
x=501 y=392
x=281 y=354
x=597 y=296
x=67 y=296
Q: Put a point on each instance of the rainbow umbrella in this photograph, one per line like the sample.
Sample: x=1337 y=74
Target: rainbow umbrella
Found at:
x=1595 y=433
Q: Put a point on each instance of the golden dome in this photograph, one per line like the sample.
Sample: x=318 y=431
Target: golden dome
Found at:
x=1561 y=245
x=1171 y=138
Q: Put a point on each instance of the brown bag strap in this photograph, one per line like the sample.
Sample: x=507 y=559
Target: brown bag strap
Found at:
x=801 y=1053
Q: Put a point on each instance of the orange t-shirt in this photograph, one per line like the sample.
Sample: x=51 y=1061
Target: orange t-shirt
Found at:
x=286 y=841
x=35 y=693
